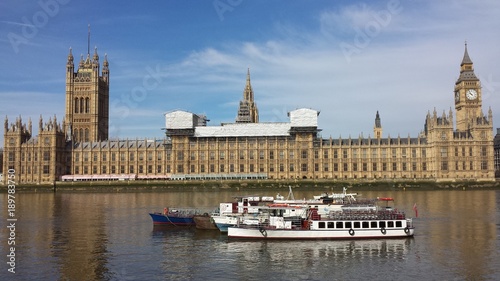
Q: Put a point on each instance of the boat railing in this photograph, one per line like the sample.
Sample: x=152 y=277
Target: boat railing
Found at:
x=366 y=215
x=268 y=222
x=183 y=212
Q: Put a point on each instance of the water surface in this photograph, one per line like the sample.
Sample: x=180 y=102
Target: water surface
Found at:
x=110 y=236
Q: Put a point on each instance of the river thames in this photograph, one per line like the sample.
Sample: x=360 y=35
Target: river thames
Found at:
x=110 y=236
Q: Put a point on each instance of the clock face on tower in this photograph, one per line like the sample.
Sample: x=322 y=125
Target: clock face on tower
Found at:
x=471 y=94
x=457 y=96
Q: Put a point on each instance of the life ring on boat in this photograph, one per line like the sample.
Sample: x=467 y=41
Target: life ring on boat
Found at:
x=351 y=232
x=165 y=211
x=407 y=230
x=383 y=230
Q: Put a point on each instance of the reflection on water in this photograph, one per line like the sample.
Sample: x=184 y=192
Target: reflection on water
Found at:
x=312 y=260
x=80 y=236
x=79 y=242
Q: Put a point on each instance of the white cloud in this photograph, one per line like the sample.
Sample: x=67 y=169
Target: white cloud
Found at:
x=403 y=79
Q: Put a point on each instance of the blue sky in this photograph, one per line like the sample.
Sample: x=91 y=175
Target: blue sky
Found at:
x=347 y=59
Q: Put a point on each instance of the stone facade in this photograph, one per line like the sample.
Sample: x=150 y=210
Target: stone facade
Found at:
x=450 y=148
x=87 y=99
x=496 y=149
x=35 y=159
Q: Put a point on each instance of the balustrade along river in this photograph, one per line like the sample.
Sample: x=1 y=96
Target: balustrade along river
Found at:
x=110 y=236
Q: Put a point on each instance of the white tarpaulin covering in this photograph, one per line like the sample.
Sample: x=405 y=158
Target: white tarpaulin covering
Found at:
x=179 y=119
x=244 y=129
x=302 y=117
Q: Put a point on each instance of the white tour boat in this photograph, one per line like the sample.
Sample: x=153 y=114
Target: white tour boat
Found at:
x=248 y=207
x=351 y=222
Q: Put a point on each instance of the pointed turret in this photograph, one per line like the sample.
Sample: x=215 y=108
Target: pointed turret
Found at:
x=30 y=126
x=70 y=56
x=105 y=69
x=70 y=66
x=248 y=92
x=377 y=120
x=466 y=59
x=105 y=64
x=247 y=112
x=377 y=129
x=466 y=68
x=40 y=123
x=95 y=58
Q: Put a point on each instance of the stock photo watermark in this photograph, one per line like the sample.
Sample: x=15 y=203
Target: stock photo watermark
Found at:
x=370 y=30
x=11 y=220
x=30 y=26
x=129 y=101
x=489 y=86
x=223 y=6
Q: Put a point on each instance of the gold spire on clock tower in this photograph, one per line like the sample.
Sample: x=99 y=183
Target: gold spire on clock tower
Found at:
x=467 y=94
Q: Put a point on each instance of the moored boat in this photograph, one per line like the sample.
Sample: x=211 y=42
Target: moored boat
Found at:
x=348 y=223
x=248 y=207
x=243 y=206
x=204 y=221
x=174 y=216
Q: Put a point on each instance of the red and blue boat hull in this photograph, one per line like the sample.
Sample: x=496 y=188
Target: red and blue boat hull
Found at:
x=161 y=219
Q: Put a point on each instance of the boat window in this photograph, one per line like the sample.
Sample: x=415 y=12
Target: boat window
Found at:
x=348 y=224
x=366 y=224
x=330 y=224
x=357 y=224
x=321 y=224
x=381 y=224
x=399 y=224
x=339 y=224
x=390 y=224
x=373 y=224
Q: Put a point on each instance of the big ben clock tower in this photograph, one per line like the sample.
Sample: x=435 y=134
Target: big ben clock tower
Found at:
x=467 y=94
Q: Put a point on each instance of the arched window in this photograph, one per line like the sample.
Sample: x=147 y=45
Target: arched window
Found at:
x=87 y=105
x=77 y=105
x=86 y=134
x=82 y=105
x=80 y=138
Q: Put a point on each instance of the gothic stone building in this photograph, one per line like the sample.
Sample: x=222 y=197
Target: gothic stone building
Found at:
x=451 y=147
x=496 y=146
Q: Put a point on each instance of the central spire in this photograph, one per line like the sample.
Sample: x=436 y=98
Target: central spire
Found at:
x=247 y=112
x=248 y=93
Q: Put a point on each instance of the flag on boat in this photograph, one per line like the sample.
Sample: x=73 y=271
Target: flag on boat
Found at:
x=415 y=209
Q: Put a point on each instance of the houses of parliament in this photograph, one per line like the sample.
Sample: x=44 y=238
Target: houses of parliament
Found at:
x=453 y=146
